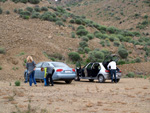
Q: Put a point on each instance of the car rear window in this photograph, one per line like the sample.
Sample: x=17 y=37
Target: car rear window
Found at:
x=59 y=64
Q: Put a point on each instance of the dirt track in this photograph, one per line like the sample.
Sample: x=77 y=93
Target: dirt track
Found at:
x=128 y=96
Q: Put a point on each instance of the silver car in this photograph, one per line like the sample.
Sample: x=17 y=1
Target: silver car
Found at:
x=98 y=71
x=62 y=71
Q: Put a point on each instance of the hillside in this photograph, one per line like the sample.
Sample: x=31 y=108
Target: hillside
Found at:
x=50 y=33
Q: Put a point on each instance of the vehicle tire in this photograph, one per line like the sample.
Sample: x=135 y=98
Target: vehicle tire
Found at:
x=101 y=79
x=91 y=80
x=68 y=81
x=117 y=80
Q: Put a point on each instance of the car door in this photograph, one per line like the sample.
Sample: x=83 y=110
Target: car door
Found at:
x=38 y=73
x=95 y=69
x=88 y=70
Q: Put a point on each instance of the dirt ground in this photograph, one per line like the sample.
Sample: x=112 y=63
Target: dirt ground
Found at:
x=127 y=96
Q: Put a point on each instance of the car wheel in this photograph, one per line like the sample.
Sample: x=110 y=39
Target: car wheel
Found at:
x=91 y=80
x=68 y=81
x=101 y=79
x=117 y=80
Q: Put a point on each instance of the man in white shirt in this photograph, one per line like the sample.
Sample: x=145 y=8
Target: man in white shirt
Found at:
x=112 y=67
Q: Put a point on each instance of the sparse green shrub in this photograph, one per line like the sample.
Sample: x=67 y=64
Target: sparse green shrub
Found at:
x=86 y=49
x=83 y=44
x=116 y=43
x=137 y=60
x=122 y=52
x=80 y=50
x=107 y=42
x=106 y=52
x=17 y=83
x=68 y=9
x=74 y=56
x=78 y=21
x=90 y=36
x=35 y=14
x=30 y=9
x=60 y=23
x=2 y=50
x=73 y=35
x=130 y=75
x=34 y=1
x=146 y=16
x=80 y=27
x=24 y=1
x=96 y=56
x=136 y=33
x=37 y=9
x=85 y=38
x=1 y=11
x=15 y=10
x=72 y=21
x=44 y=9
x=82 y=32
x=121 y=62
x=7 y=12
x=25 y=16
x=1 y=68
x=102 y=43
x=112 y=29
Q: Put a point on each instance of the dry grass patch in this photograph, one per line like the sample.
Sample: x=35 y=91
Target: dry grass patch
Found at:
x=99 y=103
x=89 y=104
x=107 y=109
x=14 y=102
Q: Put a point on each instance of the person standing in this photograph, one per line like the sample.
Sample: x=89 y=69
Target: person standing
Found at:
x=30 y=65
x=112 y=67
x=50 y=71
x=48 y=74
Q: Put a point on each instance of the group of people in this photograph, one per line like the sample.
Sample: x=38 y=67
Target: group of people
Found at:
x=48 y=73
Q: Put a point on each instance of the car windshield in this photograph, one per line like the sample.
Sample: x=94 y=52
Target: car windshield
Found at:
x=59 y=64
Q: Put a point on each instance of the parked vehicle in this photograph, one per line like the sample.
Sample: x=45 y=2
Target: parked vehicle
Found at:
x=62 y=71
x=98 y=71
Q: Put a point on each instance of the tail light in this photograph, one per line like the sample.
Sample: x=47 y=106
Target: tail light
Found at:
x=59 y=70
x=107 y=71
x=73 y=70
x=120 y=71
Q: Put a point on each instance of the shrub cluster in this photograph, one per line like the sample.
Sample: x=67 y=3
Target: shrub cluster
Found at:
x=74 y=56
x=1 y=11
x=122 y=52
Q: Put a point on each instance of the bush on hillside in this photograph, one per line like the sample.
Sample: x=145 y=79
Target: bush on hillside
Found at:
x=123 y=52
x=90 y=36
x=96 y=56
x=102 y=43
x=130 y=75
x=34 y=1
x=80 y=27
x=83 y=44
x=80 y=50
x=35 y=15
x=85 y=38
x=1 y=11
x=78 y=21
x=87 y=50
x=72 y=21
x=44 y=9
x=121 y=62
x=111 y=29
x=73 y=35
x=82 y=32
x=74 y=56
x=116 y=43
x=106 y=52
x=30 y=9
x=37 y=9
x=60 y=23
x=2 y=50
x=137 y=60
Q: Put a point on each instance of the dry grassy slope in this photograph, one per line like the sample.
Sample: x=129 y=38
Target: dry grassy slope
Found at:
x=128 y=8
x=32 y=37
